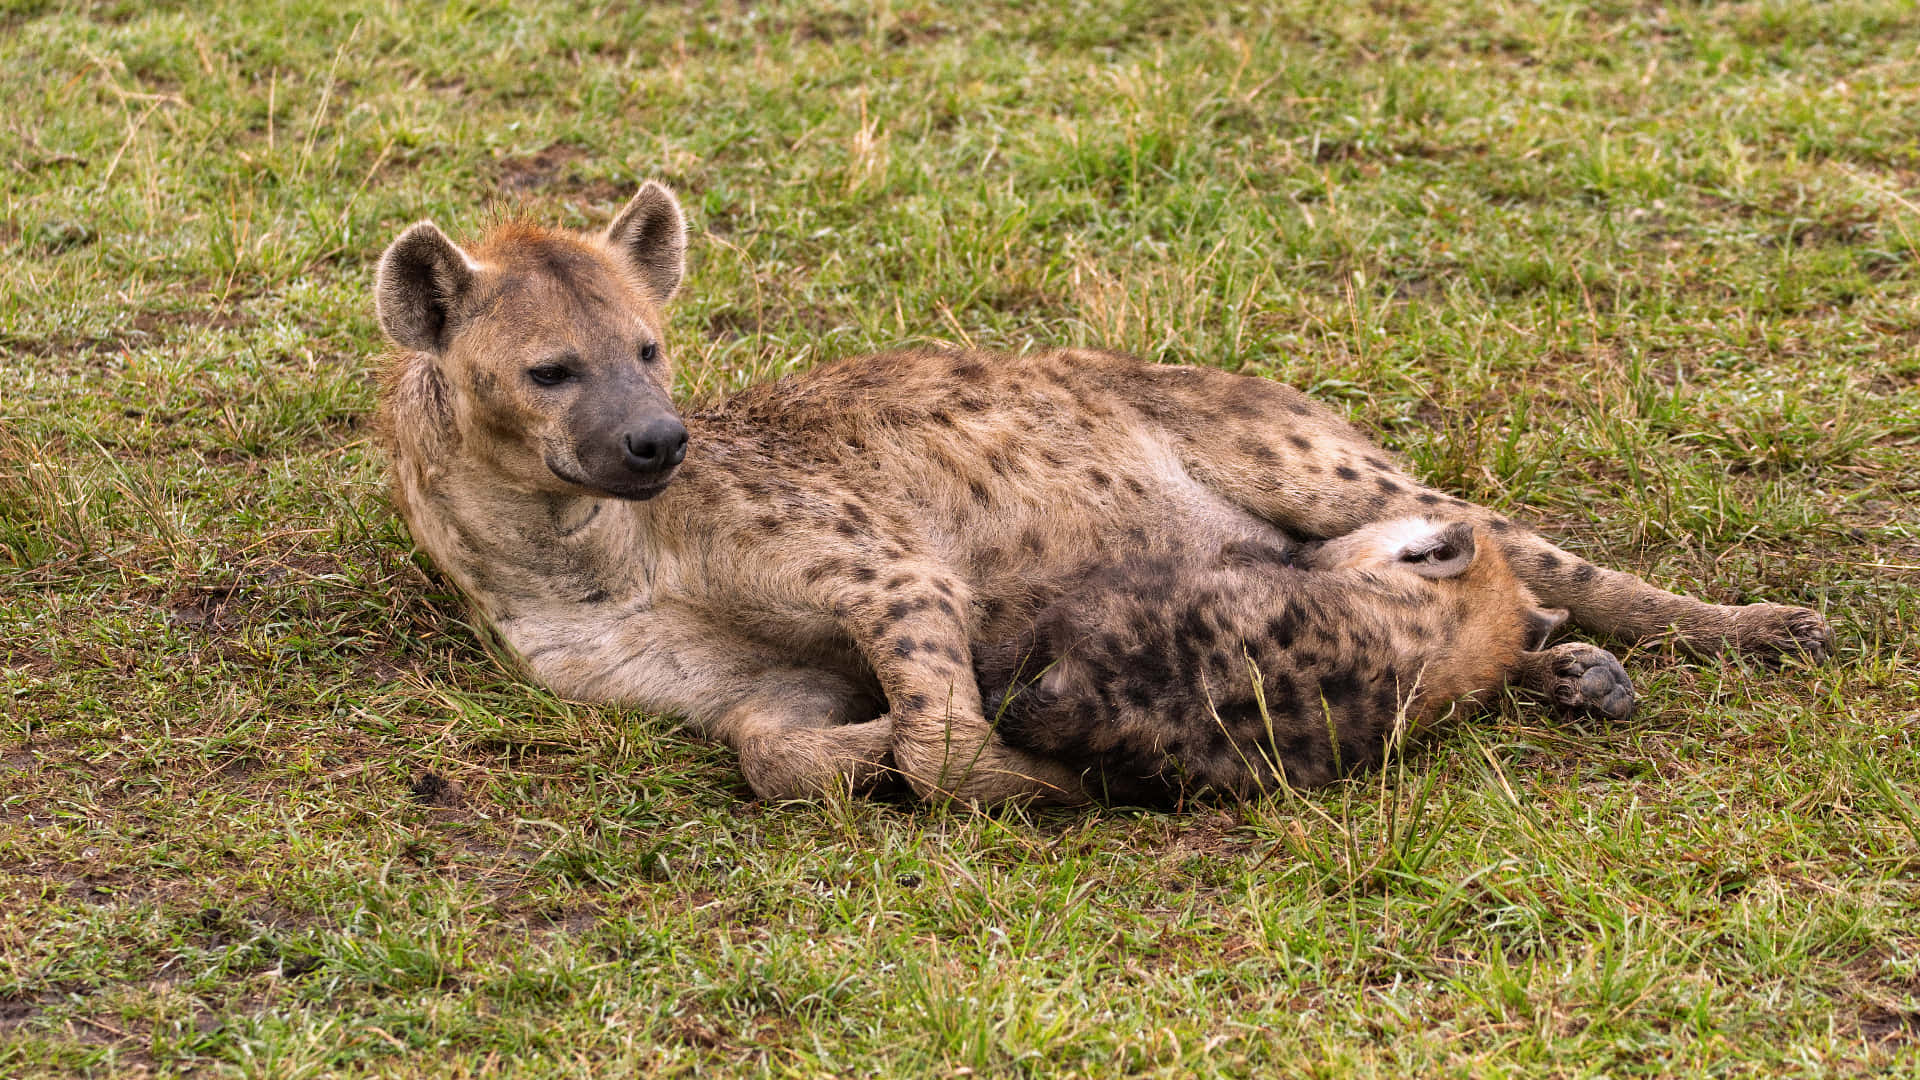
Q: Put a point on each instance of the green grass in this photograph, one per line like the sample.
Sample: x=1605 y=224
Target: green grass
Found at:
x=1648 y=276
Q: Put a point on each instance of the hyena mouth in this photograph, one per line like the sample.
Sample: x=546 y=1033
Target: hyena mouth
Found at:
x=634 y=492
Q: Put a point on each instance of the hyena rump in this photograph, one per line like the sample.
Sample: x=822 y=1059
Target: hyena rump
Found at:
x=801 y=570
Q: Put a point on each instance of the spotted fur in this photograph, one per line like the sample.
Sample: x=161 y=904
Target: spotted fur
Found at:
x=809 y=585
x=1159 y=677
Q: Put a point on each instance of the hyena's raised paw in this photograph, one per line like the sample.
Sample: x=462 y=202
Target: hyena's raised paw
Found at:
x=1578 y=678
x=1776 y=631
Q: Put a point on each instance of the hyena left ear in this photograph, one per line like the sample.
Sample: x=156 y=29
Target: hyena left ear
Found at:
x=1541 y=623
x=651 y=235
x=423 y=277
x=1442 y=554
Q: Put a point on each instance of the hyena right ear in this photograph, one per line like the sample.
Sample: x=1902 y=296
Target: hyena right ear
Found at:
x=422 y=278
x=651 y=235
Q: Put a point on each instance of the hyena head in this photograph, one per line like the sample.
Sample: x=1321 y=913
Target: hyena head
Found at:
x=1457 y=559
x=540 y=354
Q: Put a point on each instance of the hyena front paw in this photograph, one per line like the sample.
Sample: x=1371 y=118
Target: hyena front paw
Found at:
x=804 y=763
x=1579 y=678
x=1773 y=631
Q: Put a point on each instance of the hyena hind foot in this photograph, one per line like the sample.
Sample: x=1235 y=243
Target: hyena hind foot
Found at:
x=1775 y=632
x=1579 y=679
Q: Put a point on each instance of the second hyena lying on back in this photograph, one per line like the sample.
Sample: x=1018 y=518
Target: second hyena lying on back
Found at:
x=1157 y=677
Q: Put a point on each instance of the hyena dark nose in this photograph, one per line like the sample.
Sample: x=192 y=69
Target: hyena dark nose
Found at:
x=656 y=445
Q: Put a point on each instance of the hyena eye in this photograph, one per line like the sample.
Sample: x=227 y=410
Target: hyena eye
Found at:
x=550 y=374
x=649 y=352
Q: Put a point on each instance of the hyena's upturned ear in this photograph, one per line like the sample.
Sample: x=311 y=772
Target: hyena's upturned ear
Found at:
x=1444 y=554
x=1541 y=623
x=651 y=234
x=422 y=277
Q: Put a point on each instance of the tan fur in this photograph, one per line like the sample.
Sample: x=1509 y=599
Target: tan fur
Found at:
x=809 y=586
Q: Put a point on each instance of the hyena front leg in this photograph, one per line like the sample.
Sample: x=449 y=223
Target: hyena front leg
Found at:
x=1316 y=477
x=912 y=628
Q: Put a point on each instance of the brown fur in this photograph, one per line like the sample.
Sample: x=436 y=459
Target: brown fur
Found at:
x=1153 y=678
x=809 y=586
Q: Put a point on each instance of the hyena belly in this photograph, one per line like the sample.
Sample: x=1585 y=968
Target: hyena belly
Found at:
x=1157 y=677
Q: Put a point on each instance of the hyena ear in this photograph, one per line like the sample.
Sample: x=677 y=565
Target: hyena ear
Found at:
x=651 y=235
x=1444 y=553
x=1541 y=623
x=421 y=280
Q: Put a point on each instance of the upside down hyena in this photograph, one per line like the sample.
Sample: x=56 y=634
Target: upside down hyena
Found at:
x=1152 y=678
x=808 y=585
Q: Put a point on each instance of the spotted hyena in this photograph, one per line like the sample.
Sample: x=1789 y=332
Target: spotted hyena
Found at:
x=802 y=570
x=1155 y=677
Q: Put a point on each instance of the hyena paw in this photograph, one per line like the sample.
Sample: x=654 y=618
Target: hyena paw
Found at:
x=1582 y=679
x=805 y=763
x=1774 y=631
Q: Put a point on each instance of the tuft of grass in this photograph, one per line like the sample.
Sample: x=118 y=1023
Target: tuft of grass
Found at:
x=271 y=806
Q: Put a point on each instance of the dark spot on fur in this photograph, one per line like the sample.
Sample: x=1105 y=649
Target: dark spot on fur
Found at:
x=947 y=608
x=1346 y=472
x=980 y=493
x=941 y=417
x=864 y=574
x=847 y=528
x=597 y=596
x=1099 y=479
x=1033 y=542
x=1282 y=628
x=904 y=648
x=857 y=513
x=1427 y=498
x=971 y=403
x=913 y=702
x=768 y=524
x=1379 y=463
x=1548 y=561
x=899 y=581
x=1585 y=572
x=1257 y=450
x=898 y=610
x=1500 y=525
x=1339 y=687
x=943 y=586
x=1135 y=486
x=821 y=571
x=969 y=371
x=1387 y=485
x=1300 y=408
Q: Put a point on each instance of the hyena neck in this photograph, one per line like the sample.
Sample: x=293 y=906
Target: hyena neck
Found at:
x=516 y=552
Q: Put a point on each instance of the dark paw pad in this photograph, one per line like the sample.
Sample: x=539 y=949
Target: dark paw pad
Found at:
x=1587 y=679
x=1774 y=631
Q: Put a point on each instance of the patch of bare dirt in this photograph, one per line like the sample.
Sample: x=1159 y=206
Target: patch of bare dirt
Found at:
x=541 y=170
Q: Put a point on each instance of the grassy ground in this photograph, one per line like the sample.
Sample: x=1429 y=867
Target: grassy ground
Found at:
x=269 y=807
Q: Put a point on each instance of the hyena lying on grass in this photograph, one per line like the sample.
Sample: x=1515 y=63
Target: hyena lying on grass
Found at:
x=808 y=586
x=1159 y=677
